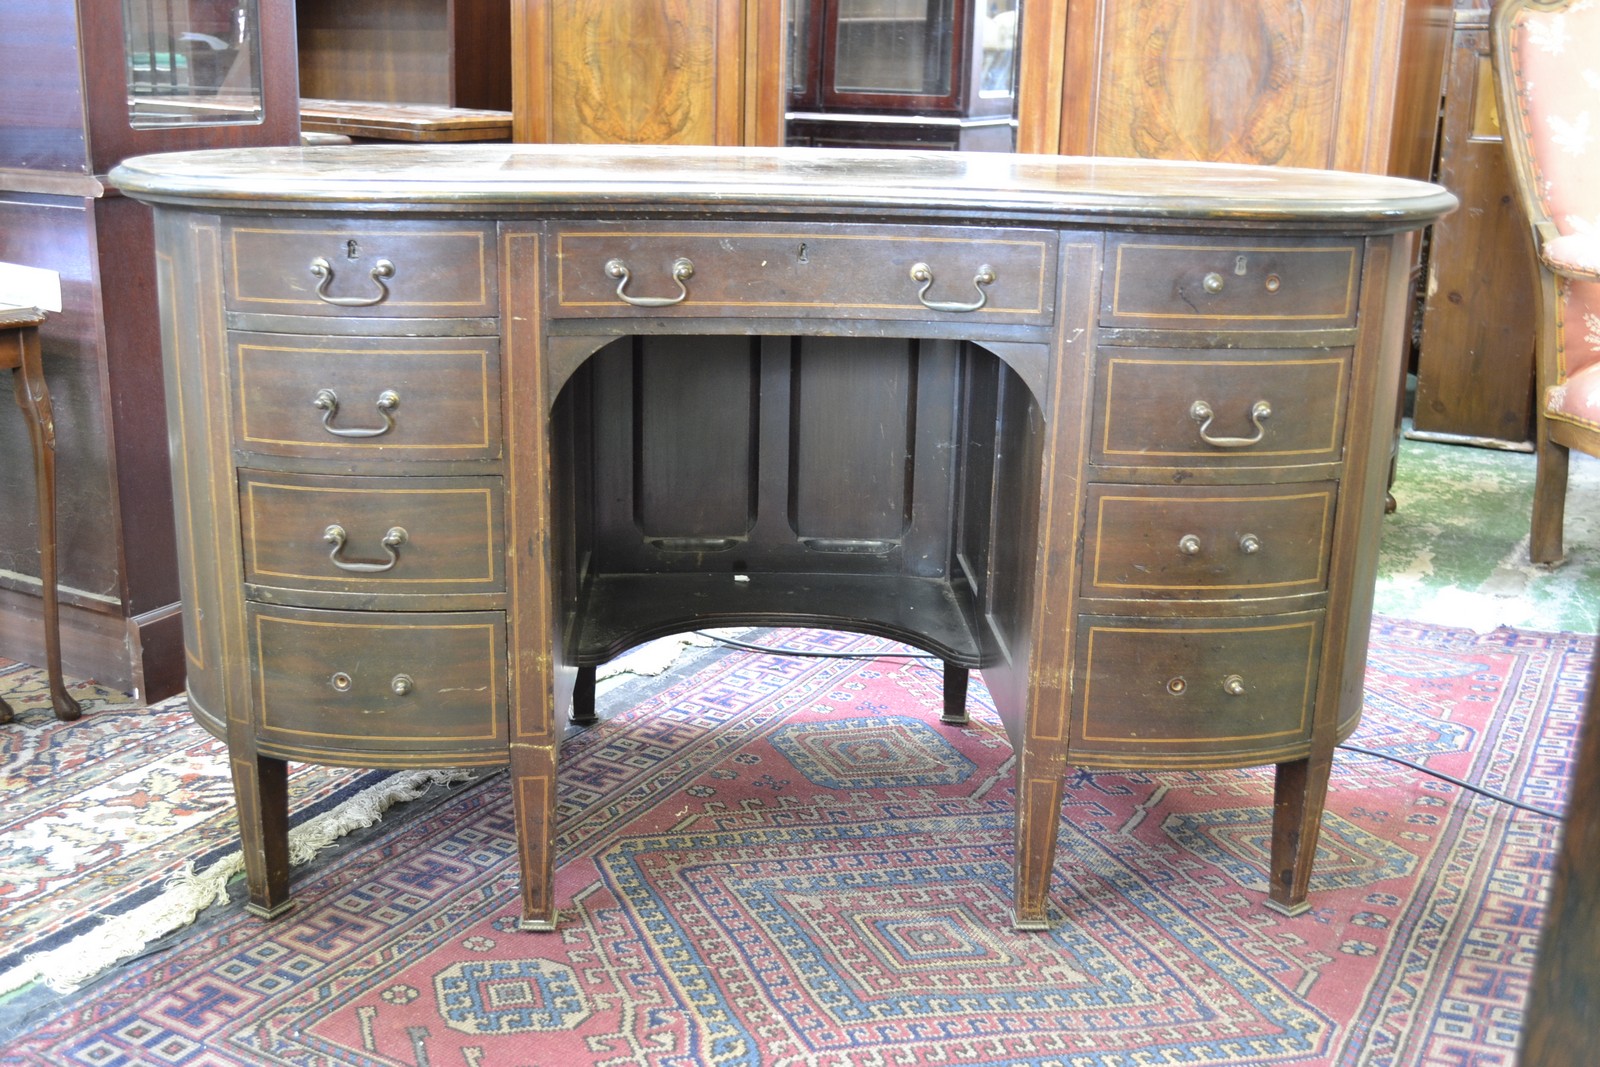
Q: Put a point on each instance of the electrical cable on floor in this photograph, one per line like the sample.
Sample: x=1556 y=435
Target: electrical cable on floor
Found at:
x=1443 y=777
x=1502 y=798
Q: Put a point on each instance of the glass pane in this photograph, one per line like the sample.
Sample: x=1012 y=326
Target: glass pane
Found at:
x=192 y=62
x=799 y=44
x=998 y=30
x=894 y=46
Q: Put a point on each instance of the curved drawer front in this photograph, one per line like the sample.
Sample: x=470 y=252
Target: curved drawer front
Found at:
x=388 y=269
x=1253 y=284
x=1162 y=691
x=1192 y=542
x=372 y=535
x=402 y=397
x=351 y=682
x=1249 y=408
x=933 y=274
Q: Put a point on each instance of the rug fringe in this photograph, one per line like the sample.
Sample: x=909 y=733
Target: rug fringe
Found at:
x=187 y=893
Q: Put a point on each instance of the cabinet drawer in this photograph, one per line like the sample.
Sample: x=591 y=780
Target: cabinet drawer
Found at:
x=380 y=682
x=1162 y=691
x=1167 y=282
x=372 y=535
x=403 y=397
x=371 y=268
x=1264 y=407
x=1192 y=542
x=939 y=273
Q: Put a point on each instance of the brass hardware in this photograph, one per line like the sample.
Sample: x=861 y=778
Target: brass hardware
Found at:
x=1189 y=545
x=1233 y=685
x=402 y=684
x=341 y=682
x=1249 y=544
x=335 y=535
x=1201 y=412
x=324 y=270
x=1176 y=686
x=682 y=271
x=1241 y=265
x=921 y=272
x=1274 y=283
x=327 y=401
x=1212 y=282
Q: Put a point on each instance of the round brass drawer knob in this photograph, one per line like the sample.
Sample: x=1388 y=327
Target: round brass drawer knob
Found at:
x=1249 y=544
x=1176 y=686
x=1233 y=685
x=1189 y=545
x=1273 y=283
x=402 y=684
x=1212 y=282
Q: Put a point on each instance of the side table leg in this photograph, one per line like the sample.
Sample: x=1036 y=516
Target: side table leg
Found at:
x=583 y=709
x=34 y=400
x=1300 y=791
x=261 y=790
x=955 y=695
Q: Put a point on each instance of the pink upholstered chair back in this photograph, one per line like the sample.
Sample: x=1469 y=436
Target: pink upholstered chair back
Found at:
x=1550 y=63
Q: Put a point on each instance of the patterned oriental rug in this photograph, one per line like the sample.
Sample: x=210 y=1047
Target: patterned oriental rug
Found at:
x=782 y=861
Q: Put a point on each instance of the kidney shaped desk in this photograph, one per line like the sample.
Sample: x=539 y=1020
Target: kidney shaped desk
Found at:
x=451 y=426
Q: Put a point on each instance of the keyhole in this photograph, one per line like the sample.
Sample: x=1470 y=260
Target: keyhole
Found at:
x=351 y=251
x=1240 y=265
x=803 y=253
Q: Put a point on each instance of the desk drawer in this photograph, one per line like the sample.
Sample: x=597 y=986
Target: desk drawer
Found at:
x=1208 y=542
x=1249 y=408
x=385 y=682
x=372 y=535
x=1255 y=284
x=370 y=268
x=961 y=274
x=1163 y=690
x=347 y=397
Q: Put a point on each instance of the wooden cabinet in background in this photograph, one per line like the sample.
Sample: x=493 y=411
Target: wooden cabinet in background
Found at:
x=1475 y=365
x=903 y=74
x=454 y=53
x=685 y=72
x=85 y=85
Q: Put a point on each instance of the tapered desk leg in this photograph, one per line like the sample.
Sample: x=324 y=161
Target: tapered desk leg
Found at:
x=955 y=695
x=34 y=400
x=1041 y=781
x=1299 y=793
x=533 y=798
x=261 y=789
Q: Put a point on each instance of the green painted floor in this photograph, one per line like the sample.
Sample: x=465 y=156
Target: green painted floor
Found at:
x=1455 y=552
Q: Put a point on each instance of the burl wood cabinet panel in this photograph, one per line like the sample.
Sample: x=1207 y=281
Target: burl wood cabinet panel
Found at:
x=679 y=72
x=1115 y=434
x=1345 y=84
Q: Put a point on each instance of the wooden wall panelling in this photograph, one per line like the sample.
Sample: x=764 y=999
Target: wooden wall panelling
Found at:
x=454 y=53
x=689 y=72
x=1475 y=365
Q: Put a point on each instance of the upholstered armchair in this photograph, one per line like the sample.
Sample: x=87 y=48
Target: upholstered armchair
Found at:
x=1547 y=69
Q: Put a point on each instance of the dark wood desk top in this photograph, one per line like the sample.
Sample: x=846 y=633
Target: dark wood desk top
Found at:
x=537 y=178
